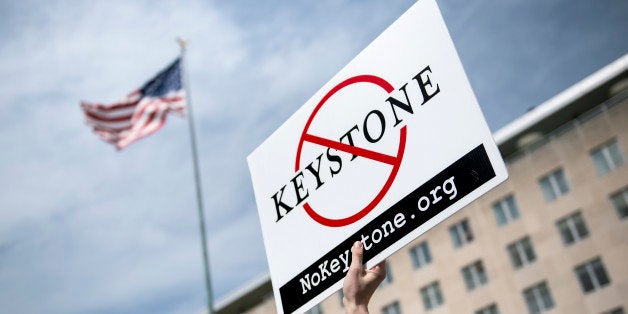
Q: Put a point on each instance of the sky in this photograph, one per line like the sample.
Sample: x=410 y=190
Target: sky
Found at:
x=86 y=229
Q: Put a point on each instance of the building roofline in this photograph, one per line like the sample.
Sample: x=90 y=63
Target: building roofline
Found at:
x=561 y=100
x=250 y=287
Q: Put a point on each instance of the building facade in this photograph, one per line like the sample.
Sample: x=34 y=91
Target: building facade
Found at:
x=552 y=238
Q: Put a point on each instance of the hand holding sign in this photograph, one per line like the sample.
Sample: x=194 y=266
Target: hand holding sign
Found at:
x=361 y=283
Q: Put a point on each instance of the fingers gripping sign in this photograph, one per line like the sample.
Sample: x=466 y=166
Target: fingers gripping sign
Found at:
x=360 y=283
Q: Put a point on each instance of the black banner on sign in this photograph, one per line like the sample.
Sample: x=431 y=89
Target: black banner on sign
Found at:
x=457 y=180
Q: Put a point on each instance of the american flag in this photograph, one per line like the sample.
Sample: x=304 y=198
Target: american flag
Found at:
x=142 y=112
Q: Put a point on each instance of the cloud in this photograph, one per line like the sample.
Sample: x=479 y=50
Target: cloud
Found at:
x=86 y=229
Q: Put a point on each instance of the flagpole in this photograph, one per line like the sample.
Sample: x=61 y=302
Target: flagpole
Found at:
x=197 y=177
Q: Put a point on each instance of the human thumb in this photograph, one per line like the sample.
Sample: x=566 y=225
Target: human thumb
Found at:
x=357 y=251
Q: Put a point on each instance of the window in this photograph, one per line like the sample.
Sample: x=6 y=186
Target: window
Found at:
x=607 y=158
x=572 y=229
x=538 y=298
x=474 y=275
x=617 y=310
x=432 y=297
x=461 y=233
x=420 y=255
x=388 y=278
x=592 y=275
x=392 y=308
x=491 y=309
x=506 y=210
x=620 y=202
x=554 y=185
x=521 y=253
x=315 y=310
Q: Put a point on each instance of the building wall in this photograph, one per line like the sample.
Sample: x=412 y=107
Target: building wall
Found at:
x=555 y=262
x=568 y=148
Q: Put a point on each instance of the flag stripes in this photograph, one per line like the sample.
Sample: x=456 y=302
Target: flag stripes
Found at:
x=142 y=112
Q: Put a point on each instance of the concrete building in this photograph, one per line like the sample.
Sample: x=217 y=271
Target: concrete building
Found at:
x=553 y=238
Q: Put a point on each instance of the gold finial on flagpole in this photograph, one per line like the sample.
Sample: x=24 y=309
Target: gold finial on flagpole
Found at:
x=182 y=42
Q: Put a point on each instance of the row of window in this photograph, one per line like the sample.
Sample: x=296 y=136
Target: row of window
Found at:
x=553 y=185
x=538 y=297
x=506 y=211
x=538 y=302
x=571 y=229
x=521 y=252
x=606 y=158
x=591 y=276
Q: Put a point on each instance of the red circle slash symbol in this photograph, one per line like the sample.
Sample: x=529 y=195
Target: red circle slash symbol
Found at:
x=394 y=161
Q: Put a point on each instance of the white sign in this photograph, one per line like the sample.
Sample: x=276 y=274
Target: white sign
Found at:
x=391 y=146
